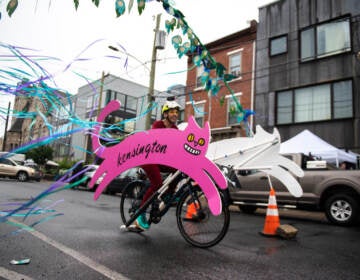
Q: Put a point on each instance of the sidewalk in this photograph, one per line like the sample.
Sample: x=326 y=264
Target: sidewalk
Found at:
x=290 y=213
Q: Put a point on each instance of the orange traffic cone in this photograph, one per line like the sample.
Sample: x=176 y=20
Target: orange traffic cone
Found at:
x=191 y=210
x=272 y=221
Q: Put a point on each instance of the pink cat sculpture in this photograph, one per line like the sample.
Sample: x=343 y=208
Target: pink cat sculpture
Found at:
x=183 y=150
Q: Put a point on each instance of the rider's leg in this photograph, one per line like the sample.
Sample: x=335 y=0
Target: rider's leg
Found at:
x=153 y=173
x=171 y=190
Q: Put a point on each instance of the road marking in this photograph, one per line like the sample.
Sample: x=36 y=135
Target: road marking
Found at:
x=12 y=275
x=111 y=274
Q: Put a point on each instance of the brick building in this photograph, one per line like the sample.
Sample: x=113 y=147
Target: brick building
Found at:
x=38 y=112
x=236 y=53
x=26 y=122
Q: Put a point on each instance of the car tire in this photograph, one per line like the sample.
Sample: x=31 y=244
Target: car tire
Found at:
x=342 y=209
x=22 y=176
x=248 y=209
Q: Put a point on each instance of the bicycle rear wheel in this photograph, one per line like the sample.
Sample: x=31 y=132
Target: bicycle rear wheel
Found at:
x=197 y=224
x=131 y=198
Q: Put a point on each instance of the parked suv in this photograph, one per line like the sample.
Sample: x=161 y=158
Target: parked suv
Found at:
x=9 y=168
x=333 y=191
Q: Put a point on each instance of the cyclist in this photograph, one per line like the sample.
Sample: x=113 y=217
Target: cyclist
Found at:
x=170 y=114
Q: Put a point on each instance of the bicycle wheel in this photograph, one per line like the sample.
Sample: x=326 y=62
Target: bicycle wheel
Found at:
x=197 y=224
x=131 y=198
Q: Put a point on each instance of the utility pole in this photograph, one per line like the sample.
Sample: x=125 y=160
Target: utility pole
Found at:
x=6 y=124
x=152 y=76
x=88 y=157
x=101 y=90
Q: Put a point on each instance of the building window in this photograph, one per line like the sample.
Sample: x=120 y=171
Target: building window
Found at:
x=128 y=103
x=181 y=116
x=235 y=63
x=278 y=45
x=232 y=108
x=131 y=104
x=284 y=107
x=342 y=100
x=199 y=72
x=312 y=104
x=90 y=102
x=325 y=39
x=108 y=96
x=199 y=110
x=316 y=103
x=113 y=95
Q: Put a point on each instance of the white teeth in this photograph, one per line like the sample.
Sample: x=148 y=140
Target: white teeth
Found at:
x=191 y=150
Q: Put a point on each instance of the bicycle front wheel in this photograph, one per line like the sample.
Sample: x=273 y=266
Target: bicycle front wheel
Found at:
x=131 y=198
x=197 y=224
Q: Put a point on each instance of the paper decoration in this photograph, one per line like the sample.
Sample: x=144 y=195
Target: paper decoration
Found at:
x=183 y=150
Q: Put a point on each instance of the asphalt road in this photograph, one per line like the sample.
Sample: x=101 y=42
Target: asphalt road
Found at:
x=85 y=242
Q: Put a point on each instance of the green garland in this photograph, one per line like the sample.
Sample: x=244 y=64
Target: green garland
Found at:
x=189 y=43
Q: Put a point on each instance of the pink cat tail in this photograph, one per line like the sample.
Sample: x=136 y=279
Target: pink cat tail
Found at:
x=111 y=107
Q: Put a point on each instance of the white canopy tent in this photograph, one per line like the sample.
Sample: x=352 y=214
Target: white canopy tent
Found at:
x=306 y=142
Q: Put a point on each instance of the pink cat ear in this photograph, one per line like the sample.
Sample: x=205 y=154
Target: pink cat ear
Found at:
x=207 y=130
x=207 y=126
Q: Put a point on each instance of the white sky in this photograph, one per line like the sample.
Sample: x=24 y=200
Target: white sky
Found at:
x=53 y=28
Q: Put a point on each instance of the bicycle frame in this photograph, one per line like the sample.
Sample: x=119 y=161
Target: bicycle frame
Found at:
x=157 y=195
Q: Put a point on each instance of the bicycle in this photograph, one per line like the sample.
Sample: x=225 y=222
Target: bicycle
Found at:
x=199 y=227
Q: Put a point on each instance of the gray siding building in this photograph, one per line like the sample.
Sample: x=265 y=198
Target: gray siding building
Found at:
x=307 y=69
x=133 y=98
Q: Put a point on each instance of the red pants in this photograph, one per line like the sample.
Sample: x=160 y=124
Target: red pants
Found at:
x=153 y=173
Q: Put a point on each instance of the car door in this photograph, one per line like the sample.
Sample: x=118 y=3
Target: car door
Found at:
x=255 y=187
x=308 y=184
x=7 y=168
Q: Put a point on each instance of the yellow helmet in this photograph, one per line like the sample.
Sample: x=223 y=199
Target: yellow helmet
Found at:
x=170 y=105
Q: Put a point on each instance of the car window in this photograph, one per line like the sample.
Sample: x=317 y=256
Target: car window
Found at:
x=5 y=161
x=132 y=172
x=124 y=174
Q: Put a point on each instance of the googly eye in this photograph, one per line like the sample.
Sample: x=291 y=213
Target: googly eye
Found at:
x=201 y=142
x=191 y=137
